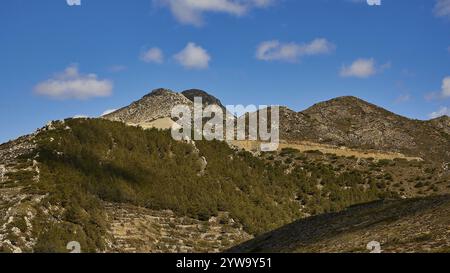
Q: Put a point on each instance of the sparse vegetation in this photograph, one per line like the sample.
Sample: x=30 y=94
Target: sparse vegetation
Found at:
x=83 y=162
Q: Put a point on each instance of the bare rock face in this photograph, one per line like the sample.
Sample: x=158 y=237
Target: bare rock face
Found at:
x=158 y=104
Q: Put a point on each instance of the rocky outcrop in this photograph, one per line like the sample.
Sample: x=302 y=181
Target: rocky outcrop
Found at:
x=156 y=105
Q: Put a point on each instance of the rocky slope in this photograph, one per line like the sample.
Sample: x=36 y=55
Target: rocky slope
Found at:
x=414 y=225
x=158 y=104
x=155 y=105
x=353 y=123
x=136 y=230
x=16 y=200
x=442 y=123
x=35 y=218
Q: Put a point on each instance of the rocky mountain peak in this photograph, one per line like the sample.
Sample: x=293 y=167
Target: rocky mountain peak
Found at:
x=160 y=92
x=346 y=106
x=158 y=104
x=207 y=98
x=155 y=105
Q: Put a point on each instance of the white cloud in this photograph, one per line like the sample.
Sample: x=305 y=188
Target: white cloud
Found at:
x=443 y=111
x=73 y=2
x=442 y=8
x=363 y=68
x=443 y=93
x=107 y=112
x=152 y=55
x=193 y=57
x=70 y=84
x=291 y=52
x=367 y=2
x=191 y=11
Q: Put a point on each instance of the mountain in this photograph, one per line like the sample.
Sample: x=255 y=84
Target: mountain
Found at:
x=341 y=122
x=353 y=123
x=119 y=188
x=414 y=225
x=154 y=109
x=156 y=105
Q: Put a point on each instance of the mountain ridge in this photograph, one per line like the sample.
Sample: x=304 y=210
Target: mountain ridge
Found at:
x=342 y=121
x=99 y=181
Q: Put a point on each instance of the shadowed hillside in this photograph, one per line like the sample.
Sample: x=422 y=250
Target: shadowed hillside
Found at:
x=414 y=225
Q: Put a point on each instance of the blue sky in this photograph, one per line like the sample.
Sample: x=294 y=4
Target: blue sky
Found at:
x=60 y=61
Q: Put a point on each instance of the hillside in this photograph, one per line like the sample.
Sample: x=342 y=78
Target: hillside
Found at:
x=354 y=123
x=414 y=225
x=119 y=188
x=59 y=182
